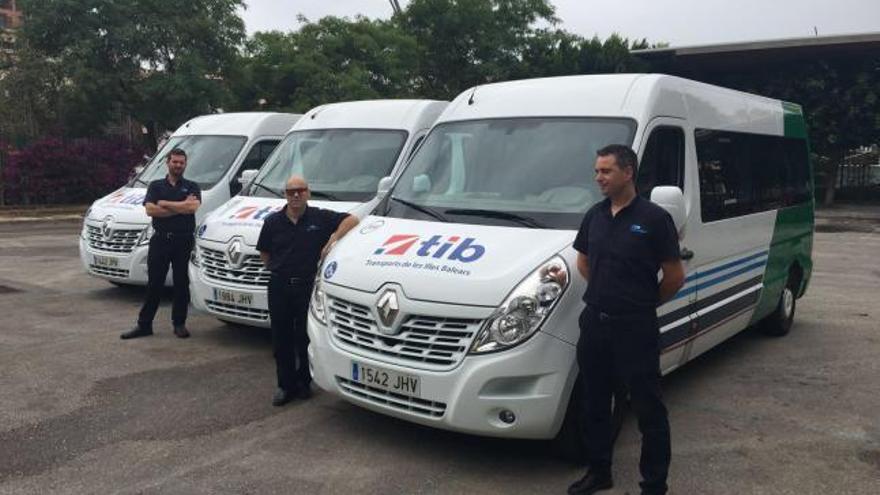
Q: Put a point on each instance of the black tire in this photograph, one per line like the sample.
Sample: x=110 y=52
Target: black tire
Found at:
x=569 y=442
x=778 y=323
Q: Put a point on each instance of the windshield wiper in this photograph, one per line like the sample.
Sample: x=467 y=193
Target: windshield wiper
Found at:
x=266 y=188
x=424 y=209
x=138 y=179
x=502 y=215
x=325 y=195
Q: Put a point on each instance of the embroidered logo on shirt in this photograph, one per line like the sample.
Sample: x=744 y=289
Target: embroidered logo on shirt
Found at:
x=637 y=229
x=312 y=228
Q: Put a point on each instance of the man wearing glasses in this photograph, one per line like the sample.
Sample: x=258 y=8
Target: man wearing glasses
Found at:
x=292 y=242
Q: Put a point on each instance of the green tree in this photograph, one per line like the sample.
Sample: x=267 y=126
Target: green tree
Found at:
x=463 y=43
x=334 y=59
x=160 y=61
x=29 y=97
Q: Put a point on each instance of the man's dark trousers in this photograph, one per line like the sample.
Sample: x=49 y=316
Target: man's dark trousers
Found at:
x=624 y=349
x=288 y=309
x=167 y=249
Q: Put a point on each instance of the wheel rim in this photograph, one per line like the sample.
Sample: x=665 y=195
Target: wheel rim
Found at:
x=787 y=302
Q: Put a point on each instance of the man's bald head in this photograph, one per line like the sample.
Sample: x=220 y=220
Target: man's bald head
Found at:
x=297 y=192
x=296 y=181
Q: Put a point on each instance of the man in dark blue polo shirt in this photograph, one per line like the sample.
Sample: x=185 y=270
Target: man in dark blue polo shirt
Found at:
x=623 y=242
x=292 y=242
x=172 y=203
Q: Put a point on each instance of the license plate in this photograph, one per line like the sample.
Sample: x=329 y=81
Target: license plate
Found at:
x=233 y=297
x=386 y=379
x=107 y=261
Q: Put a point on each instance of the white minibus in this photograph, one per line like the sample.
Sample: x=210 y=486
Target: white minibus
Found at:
x=435 y=310
x=220 y=148
x=343 y=150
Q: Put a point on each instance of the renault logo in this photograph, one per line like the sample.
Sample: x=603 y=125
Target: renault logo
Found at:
x=233 y=253
x=107 y=228
x=388 y=308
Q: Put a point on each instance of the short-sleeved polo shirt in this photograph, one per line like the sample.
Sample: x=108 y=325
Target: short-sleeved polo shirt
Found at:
x=295 y=248
x=625 y=252
x=160 y=189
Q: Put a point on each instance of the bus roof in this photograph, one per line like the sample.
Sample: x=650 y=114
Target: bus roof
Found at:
x=636 y=96
x=249 y=124
x=409 y=115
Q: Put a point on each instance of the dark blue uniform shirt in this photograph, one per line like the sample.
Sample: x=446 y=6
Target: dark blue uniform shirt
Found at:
x=625 y=252
x=295 y=248
x=162 y=189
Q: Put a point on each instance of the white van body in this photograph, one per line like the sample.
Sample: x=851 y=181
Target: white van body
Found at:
x=116 y=229
x=344 y=150
x=410 y=312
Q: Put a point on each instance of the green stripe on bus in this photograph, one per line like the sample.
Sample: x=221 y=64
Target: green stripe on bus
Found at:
x=793 y=121
x=792 y=243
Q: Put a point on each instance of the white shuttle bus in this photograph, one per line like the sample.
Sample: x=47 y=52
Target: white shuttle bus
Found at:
x=434 y=309
x=220 y=148
x=343 y=150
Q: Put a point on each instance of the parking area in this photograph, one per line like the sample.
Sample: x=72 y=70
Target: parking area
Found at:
x=84 y=412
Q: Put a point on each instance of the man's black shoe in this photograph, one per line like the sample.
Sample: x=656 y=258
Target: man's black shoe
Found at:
x=592 y=482
x=136 y=332
x=281 y=397
x=181 y=331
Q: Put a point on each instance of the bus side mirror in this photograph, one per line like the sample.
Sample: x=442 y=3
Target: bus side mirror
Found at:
x=384 y=185
x=671 y=199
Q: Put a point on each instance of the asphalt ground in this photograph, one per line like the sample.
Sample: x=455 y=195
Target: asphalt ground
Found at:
x=84 y=412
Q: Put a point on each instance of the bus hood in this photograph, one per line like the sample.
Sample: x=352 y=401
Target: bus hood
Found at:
x=475 y=265
x=242 y=216
x=125 y=205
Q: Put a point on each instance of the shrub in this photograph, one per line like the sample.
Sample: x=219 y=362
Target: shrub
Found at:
x=54 y=171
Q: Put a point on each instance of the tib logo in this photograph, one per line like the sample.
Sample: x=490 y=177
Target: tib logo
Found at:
x=465 y=250
x=127 y=197
x=254 y=212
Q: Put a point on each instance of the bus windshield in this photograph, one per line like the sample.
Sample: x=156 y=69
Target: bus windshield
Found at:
x=339 y=164
x=528 y=172
x=207 y=158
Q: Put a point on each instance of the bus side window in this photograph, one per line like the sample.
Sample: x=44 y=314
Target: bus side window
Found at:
x=662 y=162
x=257 y=155
x=253 y=161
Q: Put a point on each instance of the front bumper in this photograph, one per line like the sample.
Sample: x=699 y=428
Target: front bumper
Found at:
x=127 y=268
x=533 y=381
x=244 y=305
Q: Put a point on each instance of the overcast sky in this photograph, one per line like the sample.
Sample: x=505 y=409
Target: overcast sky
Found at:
x=678 y=22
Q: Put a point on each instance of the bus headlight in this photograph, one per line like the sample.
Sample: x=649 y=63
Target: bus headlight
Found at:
x=524 y=310
x=194 y=255
x=318 y=304
x=148 y=232
x=85 y=228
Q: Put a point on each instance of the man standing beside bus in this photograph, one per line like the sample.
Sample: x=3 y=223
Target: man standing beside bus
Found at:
x=291 y=244
x=172 y=203
x=622 y=243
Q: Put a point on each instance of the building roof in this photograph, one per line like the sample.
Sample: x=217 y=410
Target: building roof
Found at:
x=755 y=54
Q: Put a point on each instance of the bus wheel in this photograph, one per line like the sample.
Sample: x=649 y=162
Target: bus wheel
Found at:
x=780 y=321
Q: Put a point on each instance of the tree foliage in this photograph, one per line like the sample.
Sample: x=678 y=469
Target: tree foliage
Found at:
x=331 y=60
x=159 y=61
